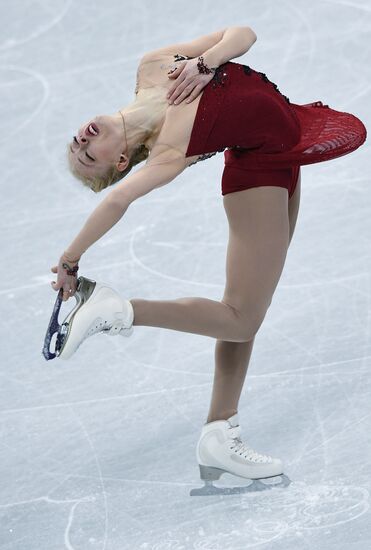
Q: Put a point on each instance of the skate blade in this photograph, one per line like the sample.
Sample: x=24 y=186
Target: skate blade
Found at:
x=84 y=290
x=255 y=485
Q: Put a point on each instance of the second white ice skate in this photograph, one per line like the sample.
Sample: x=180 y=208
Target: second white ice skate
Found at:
x=220 y=450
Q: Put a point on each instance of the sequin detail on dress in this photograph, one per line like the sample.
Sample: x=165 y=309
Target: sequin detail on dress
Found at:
x=220 y=77
x=206 y=156
x=248 y=71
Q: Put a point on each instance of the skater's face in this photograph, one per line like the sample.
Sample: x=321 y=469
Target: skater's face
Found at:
x=98 y=145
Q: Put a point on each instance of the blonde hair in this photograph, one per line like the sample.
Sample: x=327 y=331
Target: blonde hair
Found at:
x=98 y=183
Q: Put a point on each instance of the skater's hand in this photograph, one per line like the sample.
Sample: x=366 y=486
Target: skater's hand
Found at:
x=65 y=281
x=188 y=82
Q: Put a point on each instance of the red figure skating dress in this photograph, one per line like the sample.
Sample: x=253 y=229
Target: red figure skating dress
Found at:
x=264 y=136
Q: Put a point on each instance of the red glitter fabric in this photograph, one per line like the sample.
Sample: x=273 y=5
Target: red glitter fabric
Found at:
x=242 y=111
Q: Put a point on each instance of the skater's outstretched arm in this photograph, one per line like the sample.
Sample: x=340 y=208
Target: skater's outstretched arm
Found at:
x=113 y=207
x=152 y=175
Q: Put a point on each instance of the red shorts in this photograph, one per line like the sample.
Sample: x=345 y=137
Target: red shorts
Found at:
x=236 y=178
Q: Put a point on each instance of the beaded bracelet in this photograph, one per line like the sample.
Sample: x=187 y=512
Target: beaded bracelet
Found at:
x=71 y=270
x=204 y=69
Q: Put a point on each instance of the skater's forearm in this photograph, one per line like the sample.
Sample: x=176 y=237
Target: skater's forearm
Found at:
x=235 y=42
x=105 y=216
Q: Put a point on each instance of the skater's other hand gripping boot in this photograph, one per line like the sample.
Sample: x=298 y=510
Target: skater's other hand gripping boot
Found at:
x=99 y=310
x=66 y=276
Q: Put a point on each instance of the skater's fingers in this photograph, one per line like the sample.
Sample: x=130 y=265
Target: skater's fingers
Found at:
x=176 y=88
x=174 y=73
x=68 y=288
x=66 y=294
x=73 y=289
x=194 y=94
x=55 y=285
x=54 y=269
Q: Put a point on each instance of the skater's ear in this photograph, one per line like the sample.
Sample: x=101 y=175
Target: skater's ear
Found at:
x=123 y=163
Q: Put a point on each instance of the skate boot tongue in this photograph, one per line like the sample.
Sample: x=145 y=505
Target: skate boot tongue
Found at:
x=233 y=420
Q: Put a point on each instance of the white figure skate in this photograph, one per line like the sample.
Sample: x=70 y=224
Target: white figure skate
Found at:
x=99 y=309
x=220 y=450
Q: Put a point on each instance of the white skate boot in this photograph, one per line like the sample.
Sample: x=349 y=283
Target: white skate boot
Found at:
x=99 y=308
x=220 y=450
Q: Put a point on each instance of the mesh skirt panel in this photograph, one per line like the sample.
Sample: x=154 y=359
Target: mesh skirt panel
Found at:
x=325 y=134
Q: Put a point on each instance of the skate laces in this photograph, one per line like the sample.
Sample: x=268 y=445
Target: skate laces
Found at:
x=98 y=326
x=110 y=328
x=243 y=449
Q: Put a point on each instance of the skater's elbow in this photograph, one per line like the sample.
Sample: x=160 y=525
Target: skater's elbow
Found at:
x=252 y=34
x=248 y=33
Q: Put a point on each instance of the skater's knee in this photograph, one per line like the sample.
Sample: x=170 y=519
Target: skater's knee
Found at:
x=246 y=325
x=248 y=328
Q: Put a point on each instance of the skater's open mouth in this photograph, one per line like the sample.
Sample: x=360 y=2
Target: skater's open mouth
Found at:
x=92 y=129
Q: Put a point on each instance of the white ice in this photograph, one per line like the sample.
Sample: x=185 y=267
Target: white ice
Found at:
x=98 y=452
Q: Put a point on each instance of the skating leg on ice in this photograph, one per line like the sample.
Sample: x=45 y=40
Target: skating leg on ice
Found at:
x=231 y=363
x=232 y=358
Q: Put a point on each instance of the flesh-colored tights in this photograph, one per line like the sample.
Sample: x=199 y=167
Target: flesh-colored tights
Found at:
x=261 y=224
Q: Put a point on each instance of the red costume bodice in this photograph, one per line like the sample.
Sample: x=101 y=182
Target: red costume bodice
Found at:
x=242 y=111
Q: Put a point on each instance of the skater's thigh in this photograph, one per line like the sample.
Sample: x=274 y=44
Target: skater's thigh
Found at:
x=257 y=247
x=293 y=206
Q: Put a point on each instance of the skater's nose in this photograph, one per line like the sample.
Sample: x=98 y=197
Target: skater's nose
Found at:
x=82 y=140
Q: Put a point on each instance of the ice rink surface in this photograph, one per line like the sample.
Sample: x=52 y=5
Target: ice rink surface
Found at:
x=98 y=452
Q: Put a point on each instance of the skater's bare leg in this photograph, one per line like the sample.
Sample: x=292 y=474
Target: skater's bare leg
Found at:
x=258 y=240
x=231 y=362
x=196 y=315
x=232 y=358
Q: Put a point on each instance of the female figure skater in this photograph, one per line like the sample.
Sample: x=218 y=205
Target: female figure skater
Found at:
x=191 y=102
